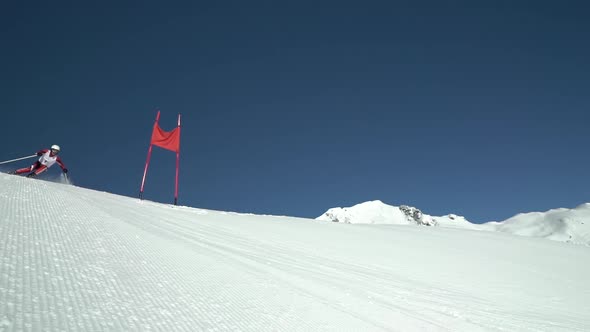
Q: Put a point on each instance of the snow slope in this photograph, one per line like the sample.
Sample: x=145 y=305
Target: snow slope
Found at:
x=567 y=225
x=74 y=259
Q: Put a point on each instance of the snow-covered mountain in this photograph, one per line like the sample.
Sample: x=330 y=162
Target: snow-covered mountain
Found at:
x=73 y=259
x=567 y=225
x=377 y=212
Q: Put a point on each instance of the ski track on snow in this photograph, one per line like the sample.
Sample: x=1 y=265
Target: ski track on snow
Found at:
x=77 y=260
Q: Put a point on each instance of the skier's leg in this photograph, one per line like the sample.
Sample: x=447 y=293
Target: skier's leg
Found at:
x=22 y=170
x=36 y=169
x=27 y=169
x=40 y=169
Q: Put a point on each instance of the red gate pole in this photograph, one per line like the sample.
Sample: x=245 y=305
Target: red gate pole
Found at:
x=177 y=165
x=147 y=162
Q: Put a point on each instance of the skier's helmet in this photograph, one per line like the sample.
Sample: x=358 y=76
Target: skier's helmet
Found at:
x=55 y=149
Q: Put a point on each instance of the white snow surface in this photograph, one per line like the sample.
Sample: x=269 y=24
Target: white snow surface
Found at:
x=73 y=259
x=566 y=225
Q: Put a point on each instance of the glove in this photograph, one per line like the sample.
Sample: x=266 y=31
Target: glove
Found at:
x=39 y=153
x=65 y=170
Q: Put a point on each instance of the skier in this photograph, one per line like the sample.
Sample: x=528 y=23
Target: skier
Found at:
x=48 y=157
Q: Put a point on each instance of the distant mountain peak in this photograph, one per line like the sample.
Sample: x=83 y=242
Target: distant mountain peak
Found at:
x=565 y=225
x=377 y=212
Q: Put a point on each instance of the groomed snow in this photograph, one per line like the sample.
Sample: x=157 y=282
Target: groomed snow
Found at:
x=74 y=259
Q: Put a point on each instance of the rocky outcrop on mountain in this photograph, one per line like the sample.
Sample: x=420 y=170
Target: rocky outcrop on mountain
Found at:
x=415 y=215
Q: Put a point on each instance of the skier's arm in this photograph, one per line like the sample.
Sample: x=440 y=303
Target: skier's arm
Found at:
x=61 y=164
x=40 y=152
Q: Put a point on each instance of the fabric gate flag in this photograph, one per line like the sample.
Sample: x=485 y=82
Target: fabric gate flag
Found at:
x=169 y=140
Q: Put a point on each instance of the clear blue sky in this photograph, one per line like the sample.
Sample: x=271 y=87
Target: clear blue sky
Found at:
x=479 y=109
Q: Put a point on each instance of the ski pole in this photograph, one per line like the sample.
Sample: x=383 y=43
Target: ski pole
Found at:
x=9 y=161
